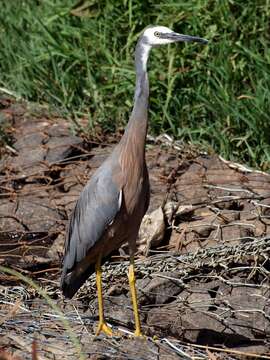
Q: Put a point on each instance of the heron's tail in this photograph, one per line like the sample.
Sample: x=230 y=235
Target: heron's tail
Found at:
x=72 y=281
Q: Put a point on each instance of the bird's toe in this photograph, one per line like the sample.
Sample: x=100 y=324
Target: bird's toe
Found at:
x=104 y=328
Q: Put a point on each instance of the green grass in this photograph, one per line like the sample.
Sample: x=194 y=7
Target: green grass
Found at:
x=216 y=95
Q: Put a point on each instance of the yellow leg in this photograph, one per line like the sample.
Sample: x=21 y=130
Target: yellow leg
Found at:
x=132 y=280
x=102 y=326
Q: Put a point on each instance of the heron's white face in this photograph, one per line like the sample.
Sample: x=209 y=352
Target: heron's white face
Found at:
x=159 y=35
x=162 y=35
x=152 y=35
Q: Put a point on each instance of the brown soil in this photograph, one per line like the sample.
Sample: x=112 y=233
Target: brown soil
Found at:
x=202 y=264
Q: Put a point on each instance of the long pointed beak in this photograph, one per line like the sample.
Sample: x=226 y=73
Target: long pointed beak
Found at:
x=184 y=38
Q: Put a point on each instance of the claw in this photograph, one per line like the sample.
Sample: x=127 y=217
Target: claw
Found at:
x=103 y=327
x=138 y=333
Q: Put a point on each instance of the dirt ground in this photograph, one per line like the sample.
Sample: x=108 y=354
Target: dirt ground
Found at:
x=203 y=251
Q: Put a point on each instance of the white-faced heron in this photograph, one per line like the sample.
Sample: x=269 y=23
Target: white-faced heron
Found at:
x=111 y=206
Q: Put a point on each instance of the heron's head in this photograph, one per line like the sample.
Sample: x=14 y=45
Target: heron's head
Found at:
x=161 y=35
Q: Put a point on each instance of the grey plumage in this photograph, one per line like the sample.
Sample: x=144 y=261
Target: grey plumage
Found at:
x=95 y=210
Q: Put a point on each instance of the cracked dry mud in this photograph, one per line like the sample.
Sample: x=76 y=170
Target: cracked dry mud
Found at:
x=202 y=264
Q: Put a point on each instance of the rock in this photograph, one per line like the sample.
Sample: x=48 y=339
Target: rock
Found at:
x=119 y=309
x=55 y=252
x=208 y=293
x=160 y=289
x=61 y=147
x=214 y=313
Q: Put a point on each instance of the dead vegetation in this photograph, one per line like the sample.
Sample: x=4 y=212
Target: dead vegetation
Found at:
x=202 y=265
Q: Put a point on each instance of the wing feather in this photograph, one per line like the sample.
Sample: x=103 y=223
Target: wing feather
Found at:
x=95 y=210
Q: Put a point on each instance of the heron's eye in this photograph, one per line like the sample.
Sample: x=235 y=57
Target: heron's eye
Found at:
x=157 y=34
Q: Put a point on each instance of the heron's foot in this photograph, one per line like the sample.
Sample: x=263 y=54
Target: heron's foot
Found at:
x=138 y=334
x=104 y=328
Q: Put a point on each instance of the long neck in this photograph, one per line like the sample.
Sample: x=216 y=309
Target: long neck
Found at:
x=142 y=85
x=138 y=121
